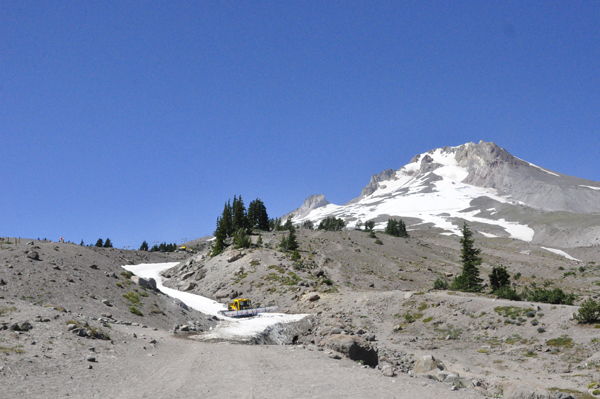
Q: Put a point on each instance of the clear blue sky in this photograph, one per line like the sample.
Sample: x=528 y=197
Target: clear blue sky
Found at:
x=138 y=120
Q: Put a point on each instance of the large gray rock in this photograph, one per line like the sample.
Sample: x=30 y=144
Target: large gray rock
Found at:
x=236 y=256
x=148 y=283
x=353 y=347
x=425 y=364
x=33 y=255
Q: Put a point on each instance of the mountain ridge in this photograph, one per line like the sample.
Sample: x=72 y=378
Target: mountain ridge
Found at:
x=504 y=196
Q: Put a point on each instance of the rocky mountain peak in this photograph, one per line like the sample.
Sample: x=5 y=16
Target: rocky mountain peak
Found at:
x=313 y=202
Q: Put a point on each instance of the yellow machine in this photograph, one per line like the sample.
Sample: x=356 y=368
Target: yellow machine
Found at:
x=239 y=304
x=243 y=308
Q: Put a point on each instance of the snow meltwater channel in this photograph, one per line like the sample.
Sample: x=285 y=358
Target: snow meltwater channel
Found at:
x=234 y=329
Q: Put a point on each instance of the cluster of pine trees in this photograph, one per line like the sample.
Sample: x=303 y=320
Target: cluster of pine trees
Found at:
x=164 y=247
x=236 y=222
x=103 y=244
x=332 y=223
x=396 y=228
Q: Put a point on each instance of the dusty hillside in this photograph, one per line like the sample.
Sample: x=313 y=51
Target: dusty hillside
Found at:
x=383 y=293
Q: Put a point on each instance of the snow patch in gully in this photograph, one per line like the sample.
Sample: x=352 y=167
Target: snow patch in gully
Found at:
x=245 y=329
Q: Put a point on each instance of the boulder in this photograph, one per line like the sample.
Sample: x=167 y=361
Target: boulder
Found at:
x=33 y=255
x=106 y=302
x=189 y=287
x=314 y=298
x=29 y=243
x=388 y=371
x=181 y=304
x=525 y=390
x=236 y=256
x=425 y=364
x=353 y=347
x=148 y=283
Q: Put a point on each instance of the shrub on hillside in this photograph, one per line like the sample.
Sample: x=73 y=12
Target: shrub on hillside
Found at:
x=589 y=312
x=440 y=284
x=555 y=296
x=506 y=292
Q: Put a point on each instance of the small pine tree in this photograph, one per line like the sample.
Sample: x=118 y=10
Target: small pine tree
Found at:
x=499 y=277
x=144 y=246
x=369 y=225
x=81 y=243
x=289 y=226
x=241 y=240
x=440 y=284
x=108 y=243
x=284 y=243
x=468 y=280
x=259 y=242
x=292 y=243
x=308 y=224
x=295 y=255
x=99 y=243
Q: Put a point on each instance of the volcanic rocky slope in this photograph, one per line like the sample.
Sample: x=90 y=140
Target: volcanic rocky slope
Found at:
x=479 y=183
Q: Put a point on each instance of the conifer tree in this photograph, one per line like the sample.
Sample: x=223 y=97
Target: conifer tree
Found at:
x=259 y=242
x=144 y=246
x=284 y=243
x=81 y=243
x=108 y=243
x=468 y=280
x=220 y=236
x=241 y=240
x=240 y=220
x=263 y=217
x=227 y=220
x=292 y=243
x=369 y=225
x=499 y=277
x=288 y=225
x=99 y=243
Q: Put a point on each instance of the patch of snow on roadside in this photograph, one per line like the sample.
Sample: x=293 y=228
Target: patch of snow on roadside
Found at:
x=561 y=253
x=229 y=328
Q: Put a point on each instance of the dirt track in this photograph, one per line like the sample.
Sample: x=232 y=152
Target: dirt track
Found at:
x=181 y=368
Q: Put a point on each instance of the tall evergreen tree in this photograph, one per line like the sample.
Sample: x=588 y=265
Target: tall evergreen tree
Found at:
x=108 y=243
x=292 y=243
x=369 y=225
x=144 y=246
x=99 y=243
x=240 y=220
x=257 y=215
x=468 y=280
x=220 y=236
x=227 y=220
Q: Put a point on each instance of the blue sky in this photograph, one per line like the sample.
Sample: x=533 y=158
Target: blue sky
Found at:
x=138 y=120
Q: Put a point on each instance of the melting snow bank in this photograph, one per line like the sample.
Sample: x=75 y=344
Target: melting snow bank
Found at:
x=561 y=253
x=263 y=328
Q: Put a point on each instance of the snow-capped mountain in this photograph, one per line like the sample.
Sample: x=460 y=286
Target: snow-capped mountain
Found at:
x=497 y=193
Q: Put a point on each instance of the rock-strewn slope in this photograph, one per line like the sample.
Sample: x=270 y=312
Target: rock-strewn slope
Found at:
x=366 y=297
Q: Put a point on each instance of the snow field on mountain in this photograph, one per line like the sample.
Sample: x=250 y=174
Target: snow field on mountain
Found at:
x=561 y=253
x=228 y=328
x=406 y=196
